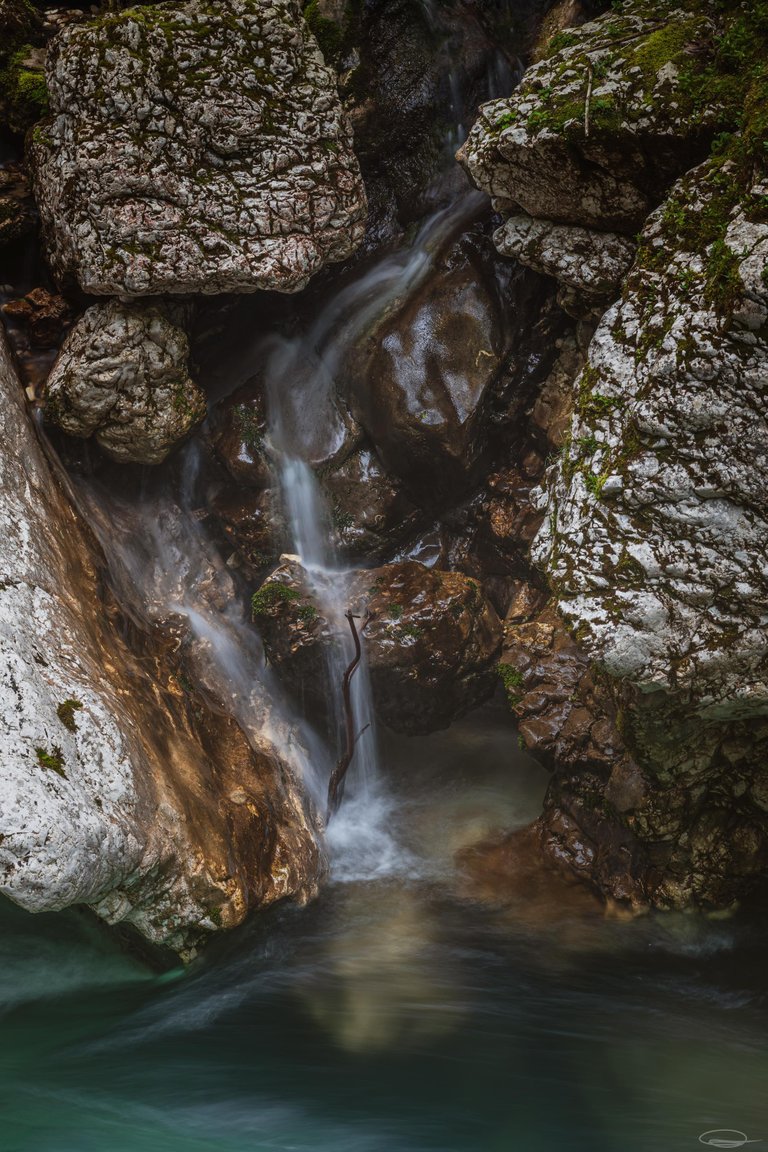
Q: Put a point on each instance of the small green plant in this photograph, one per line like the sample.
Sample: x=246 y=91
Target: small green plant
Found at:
x=272 y=594
x=53 y=760
x=396 y=611
x=512 y=679
x=307 y=613
x=66 y=713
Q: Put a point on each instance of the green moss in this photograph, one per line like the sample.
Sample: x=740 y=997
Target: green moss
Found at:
x=66 y=713
x=723 y=285
x=53 y=760
x=513 y=681
x=250 y=428
x=335 y=37
x=270 y=595
x=307 y=613
x=23 y=90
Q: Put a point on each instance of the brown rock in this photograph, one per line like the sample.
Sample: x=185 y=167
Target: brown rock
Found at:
x=45 y=316
x=432 y=640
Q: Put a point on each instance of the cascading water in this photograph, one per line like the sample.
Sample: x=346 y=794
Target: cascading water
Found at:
x=306 y=423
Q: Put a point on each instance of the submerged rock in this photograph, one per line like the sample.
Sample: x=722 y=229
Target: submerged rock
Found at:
x=122 y=377
x=431 y=640
x=216 y=158
x=114 y=791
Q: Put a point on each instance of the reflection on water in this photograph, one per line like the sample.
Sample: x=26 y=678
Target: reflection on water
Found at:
x=396 y=1013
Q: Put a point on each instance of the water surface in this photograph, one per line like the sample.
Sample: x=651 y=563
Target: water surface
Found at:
x=397 y=1012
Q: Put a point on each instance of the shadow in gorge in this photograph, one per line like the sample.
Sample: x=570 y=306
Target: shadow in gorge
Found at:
x=393 y=1014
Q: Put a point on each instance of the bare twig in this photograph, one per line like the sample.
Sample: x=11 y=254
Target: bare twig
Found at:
x=336 y=782
x=587 y=102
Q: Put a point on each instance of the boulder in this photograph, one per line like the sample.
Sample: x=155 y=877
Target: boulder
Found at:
x=431 y=639
x=589 y=265
x=655 y=531
x=118 y=791
x=423 y=381
x=598 y=130
x=122 y=377
x=216 y=159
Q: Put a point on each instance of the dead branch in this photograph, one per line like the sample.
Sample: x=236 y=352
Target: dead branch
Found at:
x=336 y=782
x=587 y=103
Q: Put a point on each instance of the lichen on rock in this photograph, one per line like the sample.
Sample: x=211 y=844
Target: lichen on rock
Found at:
x=194 y=147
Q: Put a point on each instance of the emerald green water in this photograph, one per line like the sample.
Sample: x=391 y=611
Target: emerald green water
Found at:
x=394 y=1013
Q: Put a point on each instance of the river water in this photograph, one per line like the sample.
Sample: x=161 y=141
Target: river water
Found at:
x=400 y=1012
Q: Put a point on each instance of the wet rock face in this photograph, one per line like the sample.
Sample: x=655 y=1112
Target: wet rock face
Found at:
x=431 y=638
x=122 y=377
x=216 y=159
x=370 y=512
x=17 y=216
x=423 y=382
x=116 y=791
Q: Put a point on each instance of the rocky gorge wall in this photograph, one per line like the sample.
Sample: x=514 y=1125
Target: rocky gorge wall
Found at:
x=654 y=530
x=542 y=437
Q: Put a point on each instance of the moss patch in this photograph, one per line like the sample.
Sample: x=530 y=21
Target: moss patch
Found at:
x=51 y=759
x=66 y=713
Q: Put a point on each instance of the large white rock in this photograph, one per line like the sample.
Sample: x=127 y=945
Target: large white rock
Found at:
x=109 y=794
x=195 y=147
x=656 y=530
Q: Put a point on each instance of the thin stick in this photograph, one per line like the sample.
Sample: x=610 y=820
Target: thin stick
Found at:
x=586 y=105
x=336 y=782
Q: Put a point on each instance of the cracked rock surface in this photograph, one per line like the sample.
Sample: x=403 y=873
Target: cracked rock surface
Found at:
x=122 y=377
x=194 y=148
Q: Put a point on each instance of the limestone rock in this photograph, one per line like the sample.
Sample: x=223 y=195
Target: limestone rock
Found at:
x=432 y=640
x=656 y=529
x=122 y=377
x=591 y=265
x=216 y=159
x=597 y=131
x=113 y=792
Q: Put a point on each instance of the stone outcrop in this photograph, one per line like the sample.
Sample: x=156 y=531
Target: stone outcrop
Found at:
x=118 y=790
x=431 y=638
x=216 y=158
x=588 y=143
x=589 y=265
x=654 y=521
x=122 y=377
x=655 y=535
